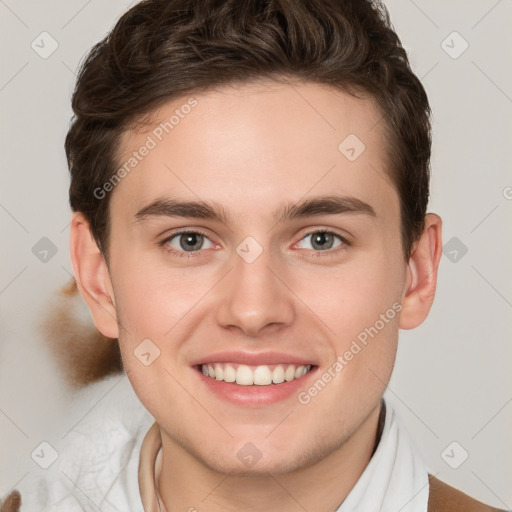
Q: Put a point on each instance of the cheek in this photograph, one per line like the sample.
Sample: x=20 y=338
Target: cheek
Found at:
x=360 y=303
x=361 y=307
x=155 y=307
x=351 y=298
x=155 y=299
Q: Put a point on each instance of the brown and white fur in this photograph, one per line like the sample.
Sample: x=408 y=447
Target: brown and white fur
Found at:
x=81 y=351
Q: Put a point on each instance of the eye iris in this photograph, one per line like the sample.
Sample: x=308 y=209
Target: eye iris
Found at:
x=325 y=240
x=191 y=241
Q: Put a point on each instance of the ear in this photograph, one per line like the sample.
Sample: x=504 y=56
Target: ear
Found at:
x=421 y=279
x=92 y=276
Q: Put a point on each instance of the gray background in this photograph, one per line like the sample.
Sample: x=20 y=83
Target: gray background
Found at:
x=452 y=381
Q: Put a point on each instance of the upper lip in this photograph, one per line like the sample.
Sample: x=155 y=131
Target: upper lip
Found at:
x=252 y=358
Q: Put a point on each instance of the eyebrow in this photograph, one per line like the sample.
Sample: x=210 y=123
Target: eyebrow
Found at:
x=323 y=205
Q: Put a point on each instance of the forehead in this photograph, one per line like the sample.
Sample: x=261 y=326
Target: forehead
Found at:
x=249 y=146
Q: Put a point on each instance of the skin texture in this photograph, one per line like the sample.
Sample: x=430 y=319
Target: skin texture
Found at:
x=252 y=149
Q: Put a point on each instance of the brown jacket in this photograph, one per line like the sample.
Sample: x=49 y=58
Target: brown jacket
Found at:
x=442 y=498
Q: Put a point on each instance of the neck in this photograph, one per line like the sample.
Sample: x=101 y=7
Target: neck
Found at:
x=186 y=484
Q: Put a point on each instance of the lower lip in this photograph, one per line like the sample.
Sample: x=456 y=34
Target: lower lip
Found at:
x=255 y=395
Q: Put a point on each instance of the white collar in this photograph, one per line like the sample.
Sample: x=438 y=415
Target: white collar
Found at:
x=396 y=478
x=116 y=426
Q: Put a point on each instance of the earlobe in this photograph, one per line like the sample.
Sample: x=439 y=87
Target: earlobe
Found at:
x=92 y=276
x=421 y=279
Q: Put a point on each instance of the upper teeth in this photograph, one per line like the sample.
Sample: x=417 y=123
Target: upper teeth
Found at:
x=260 y=375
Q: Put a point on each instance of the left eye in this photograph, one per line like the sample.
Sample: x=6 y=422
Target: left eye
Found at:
x=188 y=242
x=323 y=240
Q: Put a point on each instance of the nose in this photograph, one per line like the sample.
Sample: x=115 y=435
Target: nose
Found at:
x=254 y=297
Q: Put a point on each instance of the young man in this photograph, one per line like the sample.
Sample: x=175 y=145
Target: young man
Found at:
x=250 y=182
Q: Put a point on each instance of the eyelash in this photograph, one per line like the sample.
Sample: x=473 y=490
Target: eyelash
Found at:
x=195 y=254
x=181 y=254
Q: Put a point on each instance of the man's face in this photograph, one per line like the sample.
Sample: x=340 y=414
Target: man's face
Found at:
x=258 y=289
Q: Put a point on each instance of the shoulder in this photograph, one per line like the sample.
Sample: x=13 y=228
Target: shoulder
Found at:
x=97 y=455
x=444 y=498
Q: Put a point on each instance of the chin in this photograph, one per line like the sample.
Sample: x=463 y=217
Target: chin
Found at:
x=275 y=464
x=259 y=458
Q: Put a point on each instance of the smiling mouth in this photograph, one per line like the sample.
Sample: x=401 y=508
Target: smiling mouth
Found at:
x=262 y=375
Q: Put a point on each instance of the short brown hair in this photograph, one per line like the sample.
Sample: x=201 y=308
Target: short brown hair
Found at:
x=161 y=49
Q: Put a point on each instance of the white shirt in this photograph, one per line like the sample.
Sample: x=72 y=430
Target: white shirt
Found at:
x=396 y=478
x=98 y=462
